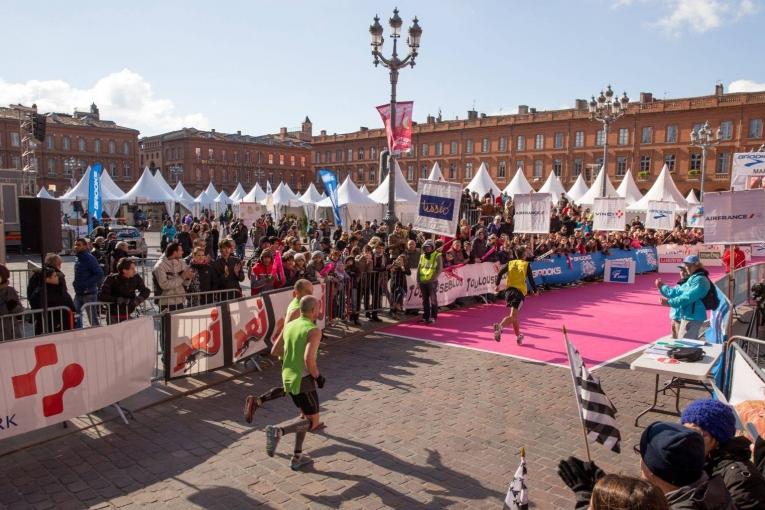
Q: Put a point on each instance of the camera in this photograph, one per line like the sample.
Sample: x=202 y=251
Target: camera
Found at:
x=758 y=292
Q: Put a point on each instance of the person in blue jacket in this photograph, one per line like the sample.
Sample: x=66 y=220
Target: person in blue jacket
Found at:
x=686 y=298
x=87 y=278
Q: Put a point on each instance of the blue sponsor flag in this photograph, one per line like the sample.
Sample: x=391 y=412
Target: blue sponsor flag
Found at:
x=440 y=208
x=95 y=196
x=329 y=178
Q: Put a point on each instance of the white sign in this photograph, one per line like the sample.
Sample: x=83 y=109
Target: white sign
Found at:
x=672 y=255
x=54 y=378
x=196 y=341
x=660 y=215
x=532 y=213
x=748 y=167
x=461 y=281
x=619 y=271
x=438 y=207
x=249 y=326
x=734 y=217
x=250 y=212
x=609 y=214
x=694 y=218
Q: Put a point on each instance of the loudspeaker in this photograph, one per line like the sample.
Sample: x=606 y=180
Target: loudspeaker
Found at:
x=40 y=225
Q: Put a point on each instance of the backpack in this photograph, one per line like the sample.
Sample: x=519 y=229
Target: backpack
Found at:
x=711 y=300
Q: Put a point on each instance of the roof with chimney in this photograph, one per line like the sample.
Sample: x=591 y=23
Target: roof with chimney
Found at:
x=276 y=140
x=88 y=118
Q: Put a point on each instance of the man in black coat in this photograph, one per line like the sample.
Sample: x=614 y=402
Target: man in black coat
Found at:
x=227 y=270
x=184 y=239
x=125 y=290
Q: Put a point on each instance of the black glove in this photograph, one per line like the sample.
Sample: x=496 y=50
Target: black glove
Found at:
x=320 y=381
x=579 y=475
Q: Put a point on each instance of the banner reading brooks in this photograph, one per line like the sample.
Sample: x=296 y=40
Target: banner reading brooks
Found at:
x=532 y=213
x=660 y=215
x=438 y=205
x=608 y=214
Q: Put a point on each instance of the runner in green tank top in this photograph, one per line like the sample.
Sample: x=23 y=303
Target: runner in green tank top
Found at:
x=251 y=402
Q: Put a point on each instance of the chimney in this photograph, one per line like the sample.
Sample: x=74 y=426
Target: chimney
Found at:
x=532 y=110
x=212 y=131
x=523 y=109
x=483 y=115
x=581 y=104
x=283 y=132
x=363 y=128
x=646 y=97
x=472 y=114
x=431 y=119
x=239 y=133
x=323 y=132
x=719 y=89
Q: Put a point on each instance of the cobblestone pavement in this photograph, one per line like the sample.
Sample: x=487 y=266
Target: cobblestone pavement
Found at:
x=410 y=425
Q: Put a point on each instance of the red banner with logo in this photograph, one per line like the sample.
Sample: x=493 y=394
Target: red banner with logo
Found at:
x=400 y=138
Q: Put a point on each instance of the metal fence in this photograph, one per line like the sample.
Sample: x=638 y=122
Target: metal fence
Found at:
x=31 y=323
x=347 y=297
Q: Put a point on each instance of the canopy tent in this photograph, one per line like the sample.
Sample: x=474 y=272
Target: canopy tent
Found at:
x=112 y=195
x=482 y=183
x=203 y=201
x=211 y=191
x=353 y=204
x=554 y=187
x=691 y=198
x=578 y=190
x=435 y=173
x=628 y=189
x=284 y=196
x=162 y=183
x=518 y=185
x=310 y=198
x=404 y=195
x=147 y=191
x=596 y=190
x=184 y=197
x=364 y=189
x=223 y=199
x=663 y=189
x=238 y=193
x=256 y=194
x=43 y=193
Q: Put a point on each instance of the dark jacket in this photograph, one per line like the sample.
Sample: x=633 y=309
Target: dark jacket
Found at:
x=224 y=277
x=731 y=462
x=57 y=296
x=115 y=258
x=202 y=281
x=124 y=294
x=184 y=239
x=706 y=494
x=87 y=273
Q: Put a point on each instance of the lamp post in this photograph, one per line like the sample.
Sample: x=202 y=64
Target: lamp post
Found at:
x=176 y=171
x=394 y=63
x=704 y=138
x=606 y=109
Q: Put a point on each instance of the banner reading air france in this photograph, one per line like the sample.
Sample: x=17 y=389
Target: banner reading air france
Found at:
x=400 y=138
x=608 y=214
x=734 y=217
x=532 y=213
x=438 y=206
x=329 y=179
x=95 y=196
x=660 y=215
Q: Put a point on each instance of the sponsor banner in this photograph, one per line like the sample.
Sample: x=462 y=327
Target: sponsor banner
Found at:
x=694 y=218
x=400 y=138
x=438 y=207
x=609 y=214
x=619 y=271
x=453 y=283
x=710 y=254
x=532 y=213
x=195 y=342
x=329 y=180
x=748 y=164
x=250 y=323
x=671 y=255
x=95 y=195
x=734 y=217
x=758 y=250
x=54 y=378
x=660 y=215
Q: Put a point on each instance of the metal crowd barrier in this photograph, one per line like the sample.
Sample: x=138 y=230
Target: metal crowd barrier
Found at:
x=30 y=323
x=347 y=298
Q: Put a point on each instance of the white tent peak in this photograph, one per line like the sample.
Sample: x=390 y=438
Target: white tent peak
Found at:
x=518 y=185
x=554 y=187
x=402 y=193
x=348 y=193
x=482 y=182
x=162 y=183
x=211 y=191
x=43 y=193
x=364 y=189
x=663 y=189
x=311 y=195
x=283 y=195
x=111 y=192
x=596 y=190
x=578 y=190
x=222 y=198
x=238 y=193
x=692 y=198
x=256 y=194
x=146 y=190
x=435 y=173
x=185 y=198
x=628 y=189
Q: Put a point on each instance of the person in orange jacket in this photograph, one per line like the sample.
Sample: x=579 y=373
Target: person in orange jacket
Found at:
x=739 y=259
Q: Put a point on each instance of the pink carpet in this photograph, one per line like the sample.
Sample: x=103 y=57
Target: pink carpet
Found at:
x=605 y=321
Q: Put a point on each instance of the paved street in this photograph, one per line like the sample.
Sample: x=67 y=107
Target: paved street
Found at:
x=410 y=425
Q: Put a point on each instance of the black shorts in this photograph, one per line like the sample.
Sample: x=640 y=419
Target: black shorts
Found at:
x=307 y=402
x=514 y=298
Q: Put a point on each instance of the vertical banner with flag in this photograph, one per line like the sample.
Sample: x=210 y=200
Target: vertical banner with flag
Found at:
x=329 y=178
x=734 y=217
x=660 y=215
x=399 y=138
x=95 y=196
x=438 y=207
x=694 y=218
x=608 y=214
x=532 y=213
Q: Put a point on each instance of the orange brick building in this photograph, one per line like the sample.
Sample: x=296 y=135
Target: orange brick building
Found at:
x=652 y=132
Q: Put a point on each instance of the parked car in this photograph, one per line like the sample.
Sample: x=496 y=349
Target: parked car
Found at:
x=137 y=246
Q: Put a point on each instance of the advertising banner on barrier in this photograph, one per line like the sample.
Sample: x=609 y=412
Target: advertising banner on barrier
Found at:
x=195 y=342
x=671 y=255
x=694 y=218
x=734 y=217
x=438 y=207
x=619 y=271
x=54 y=378
x=608 y=214
x=532 y=213
x=250 y=323
x=660 y=215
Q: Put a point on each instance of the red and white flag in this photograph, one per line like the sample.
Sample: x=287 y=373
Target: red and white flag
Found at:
x=400 y=138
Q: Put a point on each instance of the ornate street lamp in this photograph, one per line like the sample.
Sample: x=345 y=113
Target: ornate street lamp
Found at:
x=606 y=109
x=394 y=64
x=176 y=171
x=704 y=138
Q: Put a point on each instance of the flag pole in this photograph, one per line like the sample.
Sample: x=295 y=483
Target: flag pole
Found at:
x=576 y=394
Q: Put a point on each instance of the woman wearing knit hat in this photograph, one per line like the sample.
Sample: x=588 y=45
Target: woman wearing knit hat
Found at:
x=727 y=455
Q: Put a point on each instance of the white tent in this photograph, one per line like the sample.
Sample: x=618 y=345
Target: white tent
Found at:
x=112 y=195
x=628 y=189
x=578 y=190
x=223 y=199
x=405 y=196
x=147 y=191
x=364 y=189
x=310 y=198
x=482 y=183
x=518 y=185
x=203 y=201
x=211 y=191
x=554 y=187
x=596 y=190
x=256 y=194
x=353 y=204
x=284 y=196
x=663 y=189
x=691 y=198
x=238 y=193
x=43 y=193
x=435 y=173
x=162 y=183
x=184 y=197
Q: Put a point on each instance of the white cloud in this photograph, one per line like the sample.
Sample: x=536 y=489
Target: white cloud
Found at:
x=125 y=97
x=745 y=86
x=703 y=15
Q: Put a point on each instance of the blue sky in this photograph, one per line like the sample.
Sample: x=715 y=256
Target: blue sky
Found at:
x=258 y=65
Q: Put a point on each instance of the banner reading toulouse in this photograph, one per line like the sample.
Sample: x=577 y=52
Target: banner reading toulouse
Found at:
x=608 y=214
x=58 y=377
x=734 y=217
x=438 y=207
x=532 y=213
x=400 y=139
x=660 y=215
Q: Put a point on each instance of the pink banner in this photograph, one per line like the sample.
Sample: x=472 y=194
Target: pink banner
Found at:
x=400 y=139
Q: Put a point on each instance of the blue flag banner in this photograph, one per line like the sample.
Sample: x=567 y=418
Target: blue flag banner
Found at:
x=95 y=196
x=558 y=269
x=441 y=208
x=329 y=178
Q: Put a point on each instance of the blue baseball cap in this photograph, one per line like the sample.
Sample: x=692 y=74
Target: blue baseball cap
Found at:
x=691 y=259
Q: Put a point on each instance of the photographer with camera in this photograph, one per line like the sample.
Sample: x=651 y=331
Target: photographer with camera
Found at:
x=124 y=290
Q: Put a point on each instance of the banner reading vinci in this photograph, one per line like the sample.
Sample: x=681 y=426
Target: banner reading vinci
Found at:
x=608 y=214
x=532 y=213
x=438 y=206
x=400 y=139
x=734 y=217
x=660 y=215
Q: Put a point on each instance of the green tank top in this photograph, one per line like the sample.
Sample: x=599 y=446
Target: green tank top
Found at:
x=295 y=337
x=294 y=305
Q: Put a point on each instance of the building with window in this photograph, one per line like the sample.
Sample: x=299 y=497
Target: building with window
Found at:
x=72 y=143
x=651 y=133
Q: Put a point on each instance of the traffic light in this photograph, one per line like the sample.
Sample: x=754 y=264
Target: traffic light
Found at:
x=38 y=126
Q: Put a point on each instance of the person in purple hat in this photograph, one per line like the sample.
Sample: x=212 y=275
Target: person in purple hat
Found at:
x=687 y=298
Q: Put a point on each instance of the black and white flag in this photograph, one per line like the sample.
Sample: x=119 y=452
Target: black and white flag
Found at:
x=517 y=494
x=596 y=411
